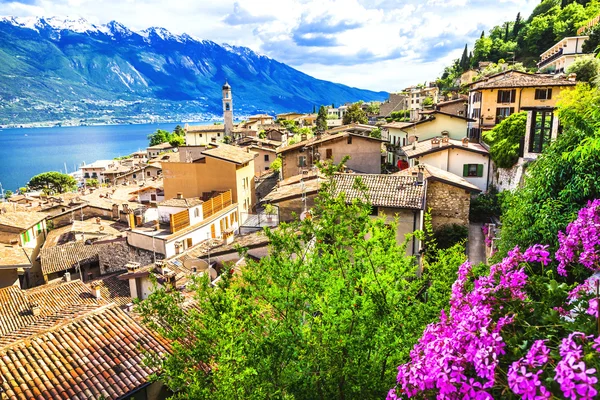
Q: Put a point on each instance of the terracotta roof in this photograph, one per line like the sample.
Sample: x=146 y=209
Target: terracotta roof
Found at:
x=65 y=234
x=66 y=256
x=169 y=157
x=21 y=219
x=161 y=146
x=431 y=117
x=294 y=190
x=113 y=290
x=205 y=128
x=16 y=304
x=230 y=153
x=182 y=203
x=97 y=355
x=522 y=80
x=437 y=174
x=14 y=256
x=425 y=147
x=382 y=190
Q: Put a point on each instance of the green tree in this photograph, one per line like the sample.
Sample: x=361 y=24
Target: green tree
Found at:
x=464 y=59
x=375 y=133
x=276 y=164
x=505 y=139
x=373 y=108
x=158 y=137
x=178 y=131
x=52 y=182
x=22 y=190
x=92 y=182
x=517 y=25
x=8 y=194
x=322 y=119
x=177 y=141
x=327 y=315
x=427 y=102
x=586 y=69
x=483 y=48
x=591 y=45
x=354 y=114
x=562 y=179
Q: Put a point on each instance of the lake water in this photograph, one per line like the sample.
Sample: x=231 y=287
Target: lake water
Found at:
x=27 y=152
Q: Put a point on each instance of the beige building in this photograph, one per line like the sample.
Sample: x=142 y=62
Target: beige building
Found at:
x=203 y=135
x=468 y=77
x=560 y=56
x=262 y=162
x=214 y=169
x=156 y=150
x=460 y=157
x=257 y=122
x=364 y=152
x=496 y=97
x=22 y=234
x=289 y=116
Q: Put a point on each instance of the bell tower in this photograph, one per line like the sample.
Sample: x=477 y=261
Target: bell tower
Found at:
x=227 y=110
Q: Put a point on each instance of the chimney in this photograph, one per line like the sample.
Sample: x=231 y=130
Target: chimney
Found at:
x=435 y=142
x=465 y=142
x=132 y=266
x=96 y=290
x=36 y=310
x=572 y=77
x=180 y=195
x=303 y=137
x=67 y=277
x=445 y=140
x=160 y=265
x=420 y=175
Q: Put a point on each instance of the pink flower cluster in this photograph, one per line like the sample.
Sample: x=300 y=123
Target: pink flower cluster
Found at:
x=583 y=292
x=524 y=374
x=486 y=237
x=457 y=357
x=575 y=379
x=581 y=241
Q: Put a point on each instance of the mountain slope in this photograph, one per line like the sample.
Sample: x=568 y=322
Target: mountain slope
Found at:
x=54 y=69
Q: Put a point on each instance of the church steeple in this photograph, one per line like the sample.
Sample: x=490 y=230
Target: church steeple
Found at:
x=227 y=110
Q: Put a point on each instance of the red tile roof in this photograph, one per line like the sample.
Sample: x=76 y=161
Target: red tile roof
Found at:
x=97 y=355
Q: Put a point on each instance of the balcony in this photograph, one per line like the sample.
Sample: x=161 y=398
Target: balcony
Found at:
x=548 y=60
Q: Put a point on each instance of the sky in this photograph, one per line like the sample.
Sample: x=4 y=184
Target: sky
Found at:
x=371 y=44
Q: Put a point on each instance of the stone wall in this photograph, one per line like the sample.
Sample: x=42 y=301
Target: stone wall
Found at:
x=449 y=204
x=113 y=256
x=294 y=207
x=509 y=178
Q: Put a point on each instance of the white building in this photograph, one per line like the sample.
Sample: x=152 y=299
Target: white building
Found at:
x=185 y=222
x=96 y=169
x=560 y=56
x=460 y=157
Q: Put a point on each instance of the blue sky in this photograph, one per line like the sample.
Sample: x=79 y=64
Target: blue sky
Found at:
x=372 y=44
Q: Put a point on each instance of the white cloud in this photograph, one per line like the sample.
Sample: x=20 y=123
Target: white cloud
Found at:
x=373 y=44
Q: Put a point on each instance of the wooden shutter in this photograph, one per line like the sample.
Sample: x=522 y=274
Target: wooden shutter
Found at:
x=213 y=232
x=329 y=153
x=537 y=94
x=480 y=170
x=549 y=95
x=513 y=95
x=466 y=170
x=499 y=100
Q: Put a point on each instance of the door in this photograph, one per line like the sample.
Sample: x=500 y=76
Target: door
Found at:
x=213 y=232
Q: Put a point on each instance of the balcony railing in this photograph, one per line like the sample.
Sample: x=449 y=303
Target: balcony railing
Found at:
x=550 y=59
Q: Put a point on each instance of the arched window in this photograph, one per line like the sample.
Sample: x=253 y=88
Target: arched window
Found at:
x=227 y=107
x=226 y=95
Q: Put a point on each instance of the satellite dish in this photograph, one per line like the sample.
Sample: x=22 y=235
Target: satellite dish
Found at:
x=196 y=264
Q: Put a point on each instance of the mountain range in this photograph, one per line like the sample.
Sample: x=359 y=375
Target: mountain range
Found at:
x=70 y=70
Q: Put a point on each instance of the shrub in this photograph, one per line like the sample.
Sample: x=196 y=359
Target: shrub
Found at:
x=448 y=235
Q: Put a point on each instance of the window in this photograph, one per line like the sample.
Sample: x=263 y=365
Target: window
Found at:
x=417 y=101
x=477 y=97
x=227 y=107
x=473 y=170
x=302 y=161
x=196 y=212
x=266 y=157
x=541 y=131
x=507 y=96
x=189 y=242
x=328 y=154
x=543 y=94
x=503 y=112
x=403 y=141
x=226 y=95
x=266 y=168
x=147 y=173
x=349 y=139
x=218 y=134
x=476 y=113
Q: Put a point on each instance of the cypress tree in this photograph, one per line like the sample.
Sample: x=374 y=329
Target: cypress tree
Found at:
x=482 y=34
x=517 y=25
x=464 y=59
x=506 y=32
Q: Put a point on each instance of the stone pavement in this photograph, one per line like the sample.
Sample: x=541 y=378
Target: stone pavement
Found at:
x=476 y=246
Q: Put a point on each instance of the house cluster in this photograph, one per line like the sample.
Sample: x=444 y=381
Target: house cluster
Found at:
x=71 y=265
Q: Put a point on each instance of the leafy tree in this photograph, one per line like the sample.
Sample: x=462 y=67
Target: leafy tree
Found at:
x=8 y=194
x=158 y=137
x=276 y=164
x=485 y=206
x=427 y=102
x=290 y=126
x=354 y=114
x=591 y=45
x=586 y=69
x=327 y=315
x=505 y=140
x=22 y=190
x=373 y=108
x=375 y=133
x=483 y=48
x=322 y=119
x=262 y=134
x=176 y=141
x=561 y=180
x=497 y=68
x=53 y=182
x=179 y=131
x=449 y=235
x=92 y=182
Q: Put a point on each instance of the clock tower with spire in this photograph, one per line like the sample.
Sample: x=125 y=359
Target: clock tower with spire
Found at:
x=227 y=110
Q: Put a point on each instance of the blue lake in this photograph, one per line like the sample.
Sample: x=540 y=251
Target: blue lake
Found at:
x=26 y=152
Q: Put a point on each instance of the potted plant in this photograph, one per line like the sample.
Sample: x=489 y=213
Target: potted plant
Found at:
x=270 y=211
